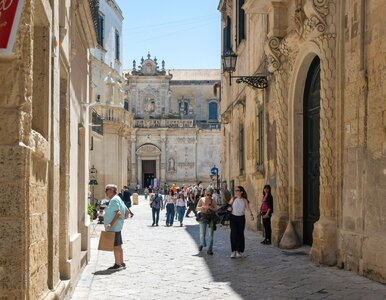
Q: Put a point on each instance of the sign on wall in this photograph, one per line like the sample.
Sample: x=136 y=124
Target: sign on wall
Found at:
x=10 y=11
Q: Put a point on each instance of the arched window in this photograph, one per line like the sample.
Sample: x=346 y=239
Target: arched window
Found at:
x=213 y=115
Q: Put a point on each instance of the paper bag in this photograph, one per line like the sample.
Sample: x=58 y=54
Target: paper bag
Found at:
x=106 y=241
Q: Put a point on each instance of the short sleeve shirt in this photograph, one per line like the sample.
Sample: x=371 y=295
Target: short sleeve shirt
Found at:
x=115 y=204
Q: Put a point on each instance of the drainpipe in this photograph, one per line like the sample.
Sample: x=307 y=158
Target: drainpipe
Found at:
x=364 y=79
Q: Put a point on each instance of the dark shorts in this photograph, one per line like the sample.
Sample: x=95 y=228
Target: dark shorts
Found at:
x=118 y=239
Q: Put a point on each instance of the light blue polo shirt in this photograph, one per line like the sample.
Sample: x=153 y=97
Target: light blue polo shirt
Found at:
x=115 y=204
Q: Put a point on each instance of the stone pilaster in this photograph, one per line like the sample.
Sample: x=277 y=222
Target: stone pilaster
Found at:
x=278 y=67
x=324 y=248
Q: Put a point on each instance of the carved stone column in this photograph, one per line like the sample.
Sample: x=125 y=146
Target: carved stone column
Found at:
x=324 y=246
x=163 y=159
x=278 y=68
x=133 y=180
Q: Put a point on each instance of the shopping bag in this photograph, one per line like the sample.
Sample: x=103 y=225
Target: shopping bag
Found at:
x=106 y=241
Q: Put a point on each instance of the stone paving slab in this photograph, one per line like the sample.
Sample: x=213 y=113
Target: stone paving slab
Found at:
x=164 y=263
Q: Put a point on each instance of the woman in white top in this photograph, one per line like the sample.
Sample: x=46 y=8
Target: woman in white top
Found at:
x=181 y=207
x=239 y=204
x=169 y=203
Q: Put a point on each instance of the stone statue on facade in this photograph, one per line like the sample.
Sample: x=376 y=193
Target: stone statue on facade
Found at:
x=172 y=165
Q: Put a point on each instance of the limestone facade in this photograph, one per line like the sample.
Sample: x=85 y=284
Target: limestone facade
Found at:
x=325 y=163
x=110 y=123
x=176 y=134
x=43 y=142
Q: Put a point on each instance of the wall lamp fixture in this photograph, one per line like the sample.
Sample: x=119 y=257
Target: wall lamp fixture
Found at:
x=229 y=60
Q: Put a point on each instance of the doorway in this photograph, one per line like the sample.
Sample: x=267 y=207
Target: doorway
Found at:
x=149 y=172
x=311 y=150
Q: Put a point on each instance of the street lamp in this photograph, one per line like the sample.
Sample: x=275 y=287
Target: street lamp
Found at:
x=229 y=60
x=93 y=181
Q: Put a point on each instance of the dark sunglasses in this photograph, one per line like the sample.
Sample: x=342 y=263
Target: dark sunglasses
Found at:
x=237 y=190
x=209 y=195
x=107 y=190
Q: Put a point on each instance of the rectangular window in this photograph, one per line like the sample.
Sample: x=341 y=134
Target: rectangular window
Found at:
x=101 y=30
x=117 y=45
x=240 y=14
x=213 y=111
x=227 y=46
x=260 y=136
x=241 y=149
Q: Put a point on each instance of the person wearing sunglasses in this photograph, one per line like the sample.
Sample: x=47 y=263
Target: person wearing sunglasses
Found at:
x=115 y=213
x=206 y=205
x=239 y=204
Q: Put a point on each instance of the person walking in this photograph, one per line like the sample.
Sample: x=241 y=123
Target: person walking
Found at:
x=207 y=206
x=239 y=205
x=192 y=203
x=170 y=203
x=156 y=205
x=266 y=212
x=181 y=207
x=127 y=199
x=146 y=192
x=115 y=213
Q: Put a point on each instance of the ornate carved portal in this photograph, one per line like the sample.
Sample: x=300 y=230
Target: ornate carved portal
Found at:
x=148 y=158
x=289 y=60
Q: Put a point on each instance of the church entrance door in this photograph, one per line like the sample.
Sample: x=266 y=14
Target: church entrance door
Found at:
x=149 y=172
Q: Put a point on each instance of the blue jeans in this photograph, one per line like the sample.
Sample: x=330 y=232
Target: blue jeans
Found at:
x=155 y=214
x=180 y=213
x=203 y=227
x=169 y=213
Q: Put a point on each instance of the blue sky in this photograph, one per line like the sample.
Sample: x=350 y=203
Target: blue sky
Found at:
x=184 y=33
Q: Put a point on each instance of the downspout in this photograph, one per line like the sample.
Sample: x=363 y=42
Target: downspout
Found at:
x=364 y=84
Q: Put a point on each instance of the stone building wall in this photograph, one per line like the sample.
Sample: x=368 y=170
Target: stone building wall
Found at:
x=34 y=87
x=347 y=38
x=362 y=240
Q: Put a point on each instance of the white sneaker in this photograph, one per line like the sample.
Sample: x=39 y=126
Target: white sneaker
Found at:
x=238 y=255
x=233 y=255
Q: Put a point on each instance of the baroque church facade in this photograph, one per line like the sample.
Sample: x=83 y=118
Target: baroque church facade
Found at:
x=317 y=132
x=175 y=135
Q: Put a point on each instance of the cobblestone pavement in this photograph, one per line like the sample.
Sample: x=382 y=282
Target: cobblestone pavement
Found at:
x=164 y=263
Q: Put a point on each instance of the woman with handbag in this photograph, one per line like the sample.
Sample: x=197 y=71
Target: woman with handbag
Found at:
x=266 y=212
x=206 y=205
x=239 y=205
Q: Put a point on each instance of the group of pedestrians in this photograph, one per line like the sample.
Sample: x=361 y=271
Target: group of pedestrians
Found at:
x=238 y=207
x=179 y=203
x=189 y=199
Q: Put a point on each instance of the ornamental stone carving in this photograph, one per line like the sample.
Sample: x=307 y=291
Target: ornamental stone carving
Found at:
x=147 y=149
x=316 y=12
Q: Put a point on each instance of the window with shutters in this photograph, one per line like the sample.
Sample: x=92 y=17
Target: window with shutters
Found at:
x=260 y=140
x=101 y=30
x=240 y=21
x=213 y=111
x=241 y=149
x=227 y=41
x=117 y=45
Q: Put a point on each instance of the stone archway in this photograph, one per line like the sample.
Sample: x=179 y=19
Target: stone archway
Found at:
x=324 y=233
x=148 y=153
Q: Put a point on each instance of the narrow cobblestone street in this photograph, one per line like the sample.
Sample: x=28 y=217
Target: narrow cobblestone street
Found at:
x=164 y=263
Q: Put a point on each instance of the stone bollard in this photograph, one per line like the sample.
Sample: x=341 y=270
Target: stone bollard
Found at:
x=135 y=199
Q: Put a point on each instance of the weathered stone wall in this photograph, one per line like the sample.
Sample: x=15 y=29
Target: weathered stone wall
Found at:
x=349 y=38
x=30 y=150
x=362 y=239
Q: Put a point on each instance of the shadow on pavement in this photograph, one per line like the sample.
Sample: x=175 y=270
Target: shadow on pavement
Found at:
x=244 y=275
x=105 y=272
